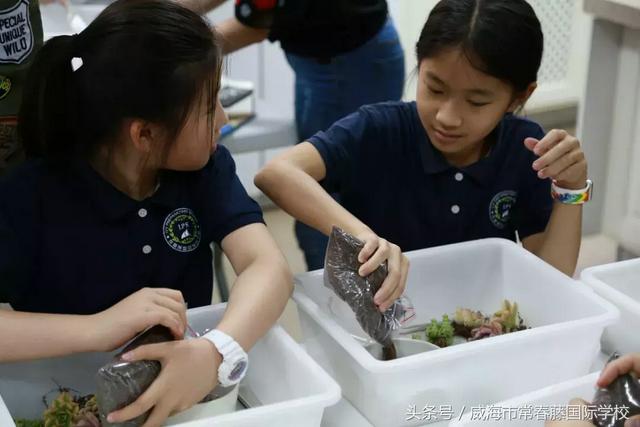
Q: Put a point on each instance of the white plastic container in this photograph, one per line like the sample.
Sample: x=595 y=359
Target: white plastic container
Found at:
x=532 y=409
x=566 y=316
x=619 y=283
x=291 y=388
x=223 y=405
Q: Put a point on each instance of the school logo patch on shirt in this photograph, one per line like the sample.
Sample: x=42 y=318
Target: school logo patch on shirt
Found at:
x=16 y=34
x=181 y=230
x=500 y=208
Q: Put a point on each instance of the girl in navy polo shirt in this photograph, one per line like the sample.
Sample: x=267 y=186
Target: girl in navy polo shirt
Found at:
x=455 y=165
x=106 y=230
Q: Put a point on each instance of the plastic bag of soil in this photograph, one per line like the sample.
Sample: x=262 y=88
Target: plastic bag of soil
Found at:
x=120 y=383
x=341 y=275
x=622 y=393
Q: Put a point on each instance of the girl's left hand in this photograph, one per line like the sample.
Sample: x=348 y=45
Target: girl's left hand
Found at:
x=189 y=372
x=560 y=158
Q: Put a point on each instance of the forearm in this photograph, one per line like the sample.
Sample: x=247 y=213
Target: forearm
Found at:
x=302 y=197
x=257 y=299
x=201 y=6
x=33 y=335
x=560 y=242
x=234 y=35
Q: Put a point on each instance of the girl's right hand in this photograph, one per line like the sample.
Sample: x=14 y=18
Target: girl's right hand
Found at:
x=375 y=252
x=621 y=366
x=147 y=307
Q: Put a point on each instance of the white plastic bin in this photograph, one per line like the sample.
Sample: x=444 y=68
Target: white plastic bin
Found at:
x=532 y=409
x=292 y=389
x=566 y=316
x=619 y=283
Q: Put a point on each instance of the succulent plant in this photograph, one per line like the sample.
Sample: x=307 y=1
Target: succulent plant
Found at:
x=67 y=410
x=469 y=318
x=62 y=411
x=508 y=317
x=88 y=415
x=489 y=329
x=88 y=403
x=440 y=333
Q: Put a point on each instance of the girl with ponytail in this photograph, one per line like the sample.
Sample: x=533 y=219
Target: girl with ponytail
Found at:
x=106 y=229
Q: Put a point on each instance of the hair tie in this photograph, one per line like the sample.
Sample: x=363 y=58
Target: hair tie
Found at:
x=76 y=61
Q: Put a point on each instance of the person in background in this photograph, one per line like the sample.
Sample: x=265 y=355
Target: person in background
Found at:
x=456 y=165
x=106 y=228
x=344 y=53
x=20 y=40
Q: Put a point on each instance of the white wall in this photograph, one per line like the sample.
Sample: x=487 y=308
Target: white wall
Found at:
x=569 y=90
x=409 y=17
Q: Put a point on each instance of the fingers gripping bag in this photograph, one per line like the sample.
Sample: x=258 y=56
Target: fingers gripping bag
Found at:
x=120 y=383
x=623 y=393
x=341 y=275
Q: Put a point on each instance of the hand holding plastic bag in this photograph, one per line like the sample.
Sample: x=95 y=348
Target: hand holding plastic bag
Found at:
x=156 y=376
x=341 y=275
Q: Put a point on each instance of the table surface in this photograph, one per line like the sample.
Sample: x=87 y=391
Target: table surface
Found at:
x=260 y=134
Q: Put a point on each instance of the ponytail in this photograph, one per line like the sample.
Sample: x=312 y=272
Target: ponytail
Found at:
x=46 y=124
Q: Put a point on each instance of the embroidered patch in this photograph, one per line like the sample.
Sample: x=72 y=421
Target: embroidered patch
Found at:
x=16 y=34
x=181 y=230
x=500 y=208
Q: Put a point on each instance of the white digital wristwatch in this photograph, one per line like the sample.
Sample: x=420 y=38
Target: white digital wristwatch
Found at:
x=234 y=359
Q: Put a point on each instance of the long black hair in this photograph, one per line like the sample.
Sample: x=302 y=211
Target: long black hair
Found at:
x=141 y=59
x=502 y=38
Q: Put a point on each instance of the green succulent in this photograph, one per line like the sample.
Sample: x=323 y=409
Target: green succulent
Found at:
x=508 y=316
x=440 y=333
x=88 y=404
x=62 y=412
x=469 y=318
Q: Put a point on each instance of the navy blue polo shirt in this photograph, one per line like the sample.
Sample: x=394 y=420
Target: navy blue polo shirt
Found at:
x=389 y=175
x=70 y=242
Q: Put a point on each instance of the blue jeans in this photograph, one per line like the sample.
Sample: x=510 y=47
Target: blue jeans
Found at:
x=326 y=92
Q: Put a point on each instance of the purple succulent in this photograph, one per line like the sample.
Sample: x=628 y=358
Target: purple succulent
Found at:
x=488 y=329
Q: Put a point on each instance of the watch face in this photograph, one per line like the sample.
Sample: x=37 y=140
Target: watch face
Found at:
x=238 y=370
